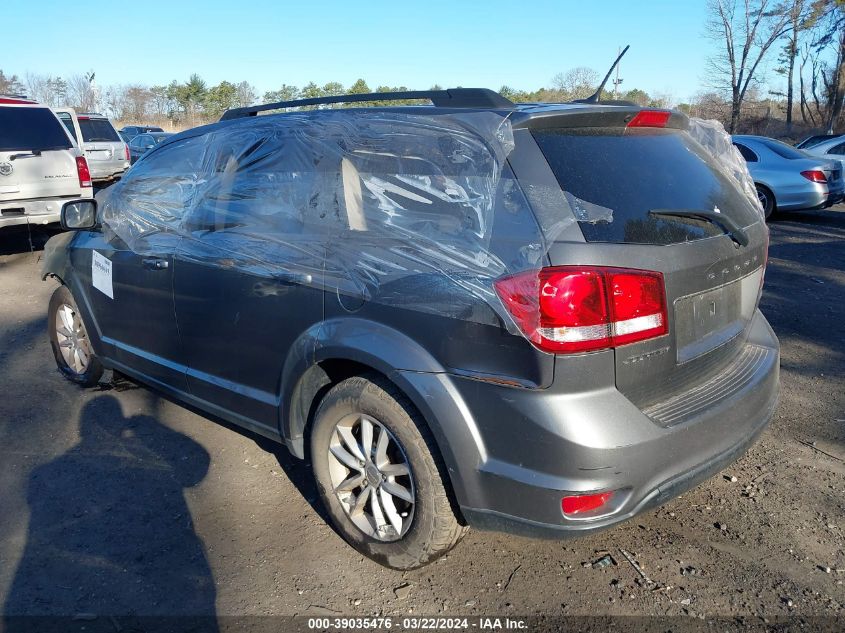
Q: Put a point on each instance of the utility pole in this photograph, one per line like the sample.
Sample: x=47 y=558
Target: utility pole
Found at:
x=617 y=81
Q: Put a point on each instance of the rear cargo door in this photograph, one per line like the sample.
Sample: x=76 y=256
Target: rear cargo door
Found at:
x=35 y=161
x=101 y=142
x=617 y=180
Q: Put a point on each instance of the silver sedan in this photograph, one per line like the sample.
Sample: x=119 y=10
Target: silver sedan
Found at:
x=790 y=179
x=831 y=149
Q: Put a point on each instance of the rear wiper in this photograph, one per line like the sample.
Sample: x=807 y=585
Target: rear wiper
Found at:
x=34 y=152
x=731 y=228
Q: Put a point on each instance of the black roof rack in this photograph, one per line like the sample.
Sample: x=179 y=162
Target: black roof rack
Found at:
x=451 y=98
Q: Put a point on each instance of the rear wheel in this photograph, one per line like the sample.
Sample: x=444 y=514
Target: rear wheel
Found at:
x=380 y=475
x=71 y=347
x=767 y=200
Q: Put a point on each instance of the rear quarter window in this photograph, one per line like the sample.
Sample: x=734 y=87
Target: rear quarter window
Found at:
x=26 y=128
x=630 y=172
x=98 y=130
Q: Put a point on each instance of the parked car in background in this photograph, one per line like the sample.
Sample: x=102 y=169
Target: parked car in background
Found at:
x=788 y=179
x=128 y=132
x=530 y=318
x=107 y=154
x=832 y=149
x=811 y=141
x=143 y=143
x=40 y=165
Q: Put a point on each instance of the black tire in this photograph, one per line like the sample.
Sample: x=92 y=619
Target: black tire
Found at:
x=767 y=199
x=434 y=528
x=93 y=370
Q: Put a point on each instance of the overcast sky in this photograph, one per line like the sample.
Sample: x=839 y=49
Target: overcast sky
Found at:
x=416 y=44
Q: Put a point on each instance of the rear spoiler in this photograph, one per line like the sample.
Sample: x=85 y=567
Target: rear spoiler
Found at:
x=607 y=116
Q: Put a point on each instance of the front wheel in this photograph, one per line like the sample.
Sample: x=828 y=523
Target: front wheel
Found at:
x=767 y=200
x=380 y=475
x=71 y=347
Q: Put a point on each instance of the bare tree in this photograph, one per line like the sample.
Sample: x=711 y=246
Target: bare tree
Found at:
x=829 y=19
x=81 y=93
x=245 y=94
x=576 y=83
x=746 y=29
x=798 y=12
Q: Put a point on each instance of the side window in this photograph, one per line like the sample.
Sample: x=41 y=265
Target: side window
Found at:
x=259 y=183
x=65 y=118
x=155 y=194
x=838 y=150
x=747 y=154
x=134 y=143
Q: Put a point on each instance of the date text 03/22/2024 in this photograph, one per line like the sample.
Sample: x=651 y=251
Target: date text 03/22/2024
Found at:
x=418 y=624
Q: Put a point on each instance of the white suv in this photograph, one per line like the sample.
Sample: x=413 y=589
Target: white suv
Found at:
x=107 y=154
x=40 y=165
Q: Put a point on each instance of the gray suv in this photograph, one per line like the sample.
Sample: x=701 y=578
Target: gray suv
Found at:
x=540 y=319
x=107 y=154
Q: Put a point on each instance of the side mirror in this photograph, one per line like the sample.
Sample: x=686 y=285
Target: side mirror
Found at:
x=79 y=215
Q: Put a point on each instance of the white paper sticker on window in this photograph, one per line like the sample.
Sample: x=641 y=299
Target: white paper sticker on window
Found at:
x=101 y=274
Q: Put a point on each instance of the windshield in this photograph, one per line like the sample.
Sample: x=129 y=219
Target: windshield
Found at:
x=616 y=177
x=31 y=129
x=94 y=130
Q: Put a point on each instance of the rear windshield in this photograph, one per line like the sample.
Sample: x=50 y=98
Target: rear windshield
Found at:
x=619 y=176
x=31 y=128
x=94 y=130
x=814 y=140
x=782 y=149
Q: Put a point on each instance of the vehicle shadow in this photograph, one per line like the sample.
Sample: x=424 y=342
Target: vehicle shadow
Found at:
x=25 y=239
x=804 y=293
x=296 y=470
x=110 y=533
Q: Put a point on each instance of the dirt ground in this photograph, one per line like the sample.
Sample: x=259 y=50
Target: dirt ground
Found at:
x=118 y=501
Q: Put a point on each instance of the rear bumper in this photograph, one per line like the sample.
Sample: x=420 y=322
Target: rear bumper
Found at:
x=535 y=447
x=836 y=193
x=107 y=172
x=38 y=211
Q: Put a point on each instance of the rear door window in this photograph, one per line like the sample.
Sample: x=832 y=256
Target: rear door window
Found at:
x=27 y=128
x=627 y=173
x=97 y=130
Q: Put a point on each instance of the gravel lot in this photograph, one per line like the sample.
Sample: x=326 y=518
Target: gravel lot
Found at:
x=118 y=501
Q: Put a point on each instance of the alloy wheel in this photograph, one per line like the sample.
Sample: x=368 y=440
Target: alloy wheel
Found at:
x=72 y=339
x=371 y=477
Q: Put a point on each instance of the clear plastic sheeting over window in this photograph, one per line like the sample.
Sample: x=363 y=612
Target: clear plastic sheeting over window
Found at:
x=711 y=135
x=352 y=201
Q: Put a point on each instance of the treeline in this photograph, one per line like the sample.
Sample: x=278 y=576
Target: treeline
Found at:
x=194 y=102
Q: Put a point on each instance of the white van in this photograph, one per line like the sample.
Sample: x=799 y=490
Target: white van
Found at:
x=107 y=154
x=40 y=165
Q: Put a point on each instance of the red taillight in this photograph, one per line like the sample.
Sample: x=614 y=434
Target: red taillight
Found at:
x=650 y=118
x=126 y=151
x=568 y=309
x=82 y=172
x=584 y=503
x=815 y=175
